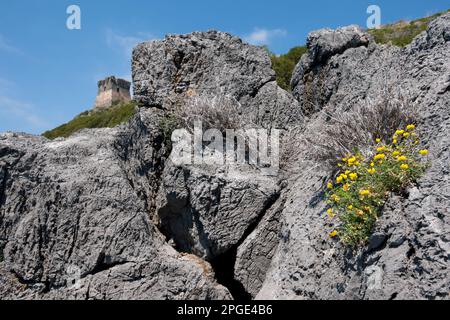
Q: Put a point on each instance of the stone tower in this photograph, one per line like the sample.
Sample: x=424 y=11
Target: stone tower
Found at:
x=112 y=91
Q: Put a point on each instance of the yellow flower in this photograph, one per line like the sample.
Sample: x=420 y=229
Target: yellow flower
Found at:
x=404 y=166
x=394 y=141
x=344 y=159
x=402 y=158
x=372 y=170
x=345 y=187
x=378 y=140
x=350 y=207
x=357 y=164
x=330 y=213
x=423 y=152
x=406 y=134
x=381 y=149
x=335 y=198
x=351 y=161
x=330 y=185
x=360 y=213
x=339 y=179
x=347 y=172
x=395 y=153
x=353 y=176
x=410 y=127
x=372 y=164
x=399 y=132
x=333 y=234
x=380 y=156
x=364 y=192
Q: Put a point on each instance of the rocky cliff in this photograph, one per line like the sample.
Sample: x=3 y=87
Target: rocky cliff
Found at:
x=407 y=257
x=105 y=214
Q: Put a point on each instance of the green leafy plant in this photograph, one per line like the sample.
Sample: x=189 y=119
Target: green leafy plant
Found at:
x=167 y=124
x=284 y=65
x=363 y=184
x=107 y=118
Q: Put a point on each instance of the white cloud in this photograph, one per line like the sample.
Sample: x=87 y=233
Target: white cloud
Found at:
x=23 y=111
x=126 y=43
x=6 y=47
x=5 y=85
x=264 y=36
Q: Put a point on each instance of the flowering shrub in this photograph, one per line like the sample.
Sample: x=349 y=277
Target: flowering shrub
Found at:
x=363 y=184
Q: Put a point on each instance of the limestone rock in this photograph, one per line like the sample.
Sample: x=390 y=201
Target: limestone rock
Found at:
x=212 y=63
x=310 y=80
x=255 y=254
x=409 y=258
x=207 y=213
x=75 y=219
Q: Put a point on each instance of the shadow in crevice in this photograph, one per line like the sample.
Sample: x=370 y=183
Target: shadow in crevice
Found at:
x=223 y=266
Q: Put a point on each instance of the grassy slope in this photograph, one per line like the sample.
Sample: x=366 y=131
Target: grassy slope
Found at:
x=94 y=119
x=402 y=33
x=398 y=34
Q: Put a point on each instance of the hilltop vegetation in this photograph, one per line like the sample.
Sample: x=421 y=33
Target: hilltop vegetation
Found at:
x=107 y=118
x=284 y=65
x=398 y=34
x=402 y=33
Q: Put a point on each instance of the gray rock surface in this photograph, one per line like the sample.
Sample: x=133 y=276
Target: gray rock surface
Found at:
x=212 y=62
x=311 y=83
x=407 y=257
x=206 y=211
x=75 y=221
x=255 y=254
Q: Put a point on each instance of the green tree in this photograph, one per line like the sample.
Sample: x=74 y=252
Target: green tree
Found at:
x=284 y=65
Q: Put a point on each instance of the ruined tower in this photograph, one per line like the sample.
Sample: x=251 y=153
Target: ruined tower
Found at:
x=112 y=91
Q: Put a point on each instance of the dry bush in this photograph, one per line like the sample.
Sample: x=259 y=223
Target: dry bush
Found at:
x=220 y=112
x=214 y=111
x=359 y=128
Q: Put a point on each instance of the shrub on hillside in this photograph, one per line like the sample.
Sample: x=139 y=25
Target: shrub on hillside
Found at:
x=284 y=65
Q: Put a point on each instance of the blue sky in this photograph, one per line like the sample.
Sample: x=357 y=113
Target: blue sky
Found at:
x=48 y=74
